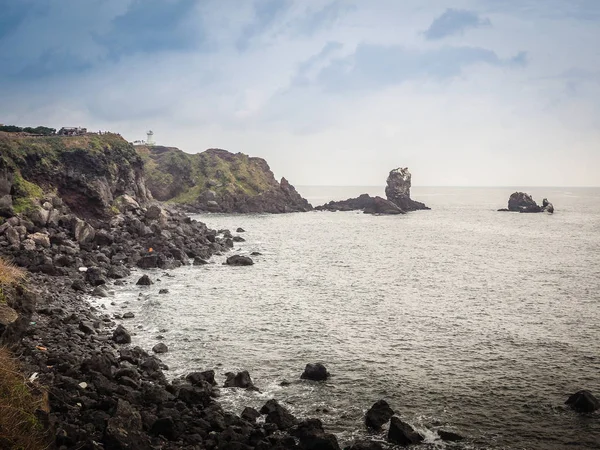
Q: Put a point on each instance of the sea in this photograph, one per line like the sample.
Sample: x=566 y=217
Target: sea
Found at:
x=462 y=318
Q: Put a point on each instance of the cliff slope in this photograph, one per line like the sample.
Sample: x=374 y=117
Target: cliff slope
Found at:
x=218 y=181
x=86 y=172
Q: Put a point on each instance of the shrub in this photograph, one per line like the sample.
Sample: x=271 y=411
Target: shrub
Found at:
x=19 y=425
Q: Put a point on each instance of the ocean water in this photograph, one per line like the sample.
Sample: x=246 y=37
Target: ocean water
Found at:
x=462 y=318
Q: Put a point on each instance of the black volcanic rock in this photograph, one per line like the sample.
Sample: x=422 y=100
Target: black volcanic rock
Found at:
x=315 y=372
x=524 y=203
x=378 y=415
x=364 y=202
x=239 y=260
x=402 y=433
x=398 y=190
x=583 y=401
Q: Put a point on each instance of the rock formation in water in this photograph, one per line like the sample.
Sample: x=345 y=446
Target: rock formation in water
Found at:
x=218 y=181
x=398 y=190
x=524 y=203
x=398 y=198
x=364 y=202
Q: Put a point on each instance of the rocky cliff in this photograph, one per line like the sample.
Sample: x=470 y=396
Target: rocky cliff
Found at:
x=398 y=190
x=218 y=181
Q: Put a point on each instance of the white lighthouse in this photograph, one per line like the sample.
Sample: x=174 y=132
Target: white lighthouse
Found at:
x=149 y=137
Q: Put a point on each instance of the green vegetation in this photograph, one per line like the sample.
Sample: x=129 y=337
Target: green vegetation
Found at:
x=25 y=195
x=44 y=131
x=179 y=177
x=19 y=426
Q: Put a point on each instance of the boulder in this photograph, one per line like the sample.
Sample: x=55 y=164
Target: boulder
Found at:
x=95 y=276
x=125 y=203
x=154 y=212
x=449 y=436
x=583 y=401
x=402 y=433
x=124 y=429
x=238 y=260
x=240 y=230
x=41 y=239
x=82 y=231
x=121 y=336
x=144 y=281
x=315 y=372
x=87 y=327
x=207 y=376
x=398 y=190
x=378 y=415
x=160 y=348
x=312 y=436
x=241 y=380
x=278 y=415
x=101 y=291
x=128 y=315
x=250 y=414
x=200 y=262
x=148 y=262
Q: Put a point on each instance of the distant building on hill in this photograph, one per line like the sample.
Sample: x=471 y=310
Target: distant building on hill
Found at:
x=72 y=131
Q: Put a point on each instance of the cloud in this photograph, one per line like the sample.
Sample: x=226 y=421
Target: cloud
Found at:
x=314 y=21
x=376 y=66
x=266 y=12
x=454 y=21
x=150 y=26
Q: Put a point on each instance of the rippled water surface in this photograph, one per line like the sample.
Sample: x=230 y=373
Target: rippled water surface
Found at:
x=461 y=317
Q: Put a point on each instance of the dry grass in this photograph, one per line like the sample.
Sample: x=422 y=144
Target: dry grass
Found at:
x=10 y=274
x=19 y=426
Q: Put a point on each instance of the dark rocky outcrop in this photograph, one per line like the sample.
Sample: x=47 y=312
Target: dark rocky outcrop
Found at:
x=218 y=181
x=402 y=433
x=398 y=190
x=239 y=260
x=378 y=415
x=312 y=436
x=278 y=415
x=364 y=202
x=315 y=372
x=583 y=401
x=241 y=380
x=398 y=200
x=524 y=203
x=449 y=436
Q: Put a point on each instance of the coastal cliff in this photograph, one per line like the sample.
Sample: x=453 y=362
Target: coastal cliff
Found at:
x=217 y=181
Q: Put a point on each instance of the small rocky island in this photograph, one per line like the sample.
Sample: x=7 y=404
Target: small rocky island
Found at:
x=524 y=203
x=397 y=192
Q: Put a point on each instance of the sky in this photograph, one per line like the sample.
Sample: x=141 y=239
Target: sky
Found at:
x=329 y=92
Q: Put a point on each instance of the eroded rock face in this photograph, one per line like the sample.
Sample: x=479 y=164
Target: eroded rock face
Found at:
x=364 y=202
x=219 y=181
x=398 y=190
x=524 y=203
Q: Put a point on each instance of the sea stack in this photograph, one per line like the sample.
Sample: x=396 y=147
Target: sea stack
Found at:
x=398 y=190
x=524 y=203
x=398 y=198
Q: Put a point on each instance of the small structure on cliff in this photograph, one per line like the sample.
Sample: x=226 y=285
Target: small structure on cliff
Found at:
x=72 y=131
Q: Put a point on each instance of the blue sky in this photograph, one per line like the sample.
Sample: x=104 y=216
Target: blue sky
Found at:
x=465 y=92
